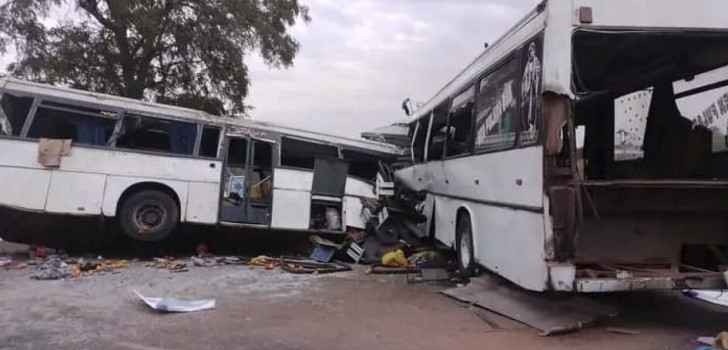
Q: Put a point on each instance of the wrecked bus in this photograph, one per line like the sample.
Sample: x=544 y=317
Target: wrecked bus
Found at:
x=149 y=167
x=586 y=150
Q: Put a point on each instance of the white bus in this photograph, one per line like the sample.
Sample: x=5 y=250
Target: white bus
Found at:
x=150 y=167
x=584 y=150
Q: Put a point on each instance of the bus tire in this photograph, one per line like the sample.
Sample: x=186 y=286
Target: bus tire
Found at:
x=149 y=215
x=464 y=245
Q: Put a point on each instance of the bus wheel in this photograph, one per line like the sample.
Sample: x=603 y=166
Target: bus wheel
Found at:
x=464 y=241
x=148 y=216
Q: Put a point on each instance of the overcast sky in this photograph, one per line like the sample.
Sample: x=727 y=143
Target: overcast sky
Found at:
x=360 y=58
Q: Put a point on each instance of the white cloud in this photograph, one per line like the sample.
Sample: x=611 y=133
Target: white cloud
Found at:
x=360 y=58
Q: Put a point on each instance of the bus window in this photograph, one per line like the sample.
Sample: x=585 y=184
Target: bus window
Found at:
x=497 y=107
x=81 y=127
x=16 y=110
x=438 y=134
x=362 y=165
x=209 y=142
x=460 y=124
x=151 y=134
x=302 y=154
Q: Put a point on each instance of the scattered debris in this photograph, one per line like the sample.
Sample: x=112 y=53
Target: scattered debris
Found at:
x=430 y=259
x=263 y=261
x=169 y=263
x=384 y=270
x=433 y=275
x=624 y=331
x=213 y=261
x=53 y=268
x=300 y=266
x=355 y=252
x=59 y=267
x=177 y=305
x=88 y=267
x=324 y=249
x=549 y=314
x=204 y=262
x=312 y=267
x=395 y=259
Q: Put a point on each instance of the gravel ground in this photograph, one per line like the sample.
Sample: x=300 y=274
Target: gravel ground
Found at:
x=270 y=309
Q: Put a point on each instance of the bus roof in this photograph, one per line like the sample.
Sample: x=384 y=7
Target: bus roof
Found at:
x=515 y=36
x=558 y=19
x=117 y=103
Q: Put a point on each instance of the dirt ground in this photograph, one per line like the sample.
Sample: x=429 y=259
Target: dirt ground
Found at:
x=263 y=309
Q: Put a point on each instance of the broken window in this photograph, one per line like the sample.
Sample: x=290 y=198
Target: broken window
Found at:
x=235 y=170
x=497 y=107
x=438 y=134
x=419 y=136
x=210 y=141
x=16 y=110
x=83 y=127
x=362 y=165
x=461 y=123
x=301 y=154
x=706 y=106
x=647 y=107
x=159 y=135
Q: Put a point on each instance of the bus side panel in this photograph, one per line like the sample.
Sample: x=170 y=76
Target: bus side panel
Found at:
x=506 y=241
x=142 y=165
x=291 y=199
x=355 y=190
x=203 y=203
x=24 y=182
x=513 y=177
x=116 y=185
x=291 y=209
x=75 y=193
x=24 y=188
x=510 y=242
x=445 y=219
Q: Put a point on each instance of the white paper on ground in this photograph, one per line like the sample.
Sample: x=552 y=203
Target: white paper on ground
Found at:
x=719 y=297
x=177 y=305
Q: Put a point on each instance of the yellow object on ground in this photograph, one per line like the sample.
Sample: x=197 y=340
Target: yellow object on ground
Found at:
x=395 y=258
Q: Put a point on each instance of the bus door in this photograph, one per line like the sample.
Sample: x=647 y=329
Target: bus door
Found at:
x=247 y=181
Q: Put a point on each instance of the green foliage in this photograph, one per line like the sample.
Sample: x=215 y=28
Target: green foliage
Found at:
x=181 y=51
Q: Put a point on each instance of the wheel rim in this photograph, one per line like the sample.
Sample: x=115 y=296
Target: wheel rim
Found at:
x=465 y=244
x=149 y=217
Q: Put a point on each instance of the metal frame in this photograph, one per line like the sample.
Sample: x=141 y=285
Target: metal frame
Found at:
x=30 y=117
